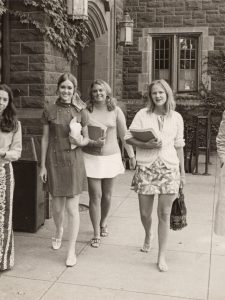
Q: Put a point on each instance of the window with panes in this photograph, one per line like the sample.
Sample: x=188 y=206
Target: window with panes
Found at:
x=175 y=59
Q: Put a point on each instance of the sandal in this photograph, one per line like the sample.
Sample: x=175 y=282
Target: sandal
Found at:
x=95 y=242
x=146 y=248
x=56 y=243
x=104 y=231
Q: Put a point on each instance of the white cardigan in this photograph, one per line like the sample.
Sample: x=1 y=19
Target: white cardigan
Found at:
x=171 y=136
x=220 y=140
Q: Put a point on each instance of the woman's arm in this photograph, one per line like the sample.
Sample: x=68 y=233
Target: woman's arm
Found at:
x=121 y=129
x=220 y=141
x=85 y=135
x=154 y=143
x=180 y=154
x=15 y=148
x=44 y=148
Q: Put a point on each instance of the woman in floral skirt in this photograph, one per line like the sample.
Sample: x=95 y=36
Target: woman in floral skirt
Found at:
x=160 y=163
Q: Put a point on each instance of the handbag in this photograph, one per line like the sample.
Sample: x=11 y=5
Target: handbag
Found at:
x=178 y=212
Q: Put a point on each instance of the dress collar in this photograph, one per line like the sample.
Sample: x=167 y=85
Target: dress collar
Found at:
x=76 y=102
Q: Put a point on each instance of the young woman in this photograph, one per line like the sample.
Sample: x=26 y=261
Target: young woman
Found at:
x=103 y=167
x=10 y=150
x=160 y=163
x=62 y=168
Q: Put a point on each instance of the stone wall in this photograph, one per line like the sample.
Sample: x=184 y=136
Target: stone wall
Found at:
x=118 y=73
x=165 y=14
x=35 y=66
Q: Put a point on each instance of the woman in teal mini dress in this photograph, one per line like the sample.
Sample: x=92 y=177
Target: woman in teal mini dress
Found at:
x=62 y=168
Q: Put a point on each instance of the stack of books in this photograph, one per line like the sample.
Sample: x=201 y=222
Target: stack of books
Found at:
x=144 y=135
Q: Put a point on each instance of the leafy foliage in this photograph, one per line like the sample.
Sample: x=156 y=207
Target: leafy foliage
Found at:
x=54 y=23
x=2 y=7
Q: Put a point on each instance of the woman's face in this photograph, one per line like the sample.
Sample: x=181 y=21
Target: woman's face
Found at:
x=66 y=90
x=158 y=94
x=4 y=101
x=98 y=93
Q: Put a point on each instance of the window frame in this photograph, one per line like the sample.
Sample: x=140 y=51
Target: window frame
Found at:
x=174 y=57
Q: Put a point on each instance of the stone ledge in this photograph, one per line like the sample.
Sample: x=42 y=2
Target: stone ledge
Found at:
x=29 y=113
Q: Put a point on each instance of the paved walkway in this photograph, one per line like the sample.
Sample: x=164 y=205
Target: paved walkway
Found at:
x=118 y=270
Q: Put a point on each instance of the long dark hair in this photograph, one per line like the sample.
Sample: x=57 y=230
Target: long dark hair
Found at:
x=9 y=120
x=70 y=77
x=110 y=101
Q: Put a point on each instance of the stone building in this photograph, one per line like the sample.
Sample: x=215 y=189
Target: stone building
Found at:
x=31 y=65
x=172 y=39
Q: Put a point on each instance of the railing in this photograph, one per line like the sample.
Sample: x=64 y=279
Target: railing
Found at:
x=201 y=141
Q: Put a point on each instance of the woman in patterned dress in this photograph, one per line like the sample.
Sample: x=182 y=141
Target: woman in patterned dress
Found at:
x=160 y=163
x=62 y=168
x=10 y=150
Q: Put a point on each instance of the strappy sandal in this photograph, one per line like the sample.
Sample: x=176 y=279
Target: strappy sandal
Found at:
x=146 y=248
x=95 y=242
x=104 y=231
x=57 y=242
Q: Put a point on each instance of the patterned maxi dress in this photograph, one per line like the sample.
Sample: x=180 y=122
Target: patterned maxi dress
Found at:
x=11 y=143
x=6 y=206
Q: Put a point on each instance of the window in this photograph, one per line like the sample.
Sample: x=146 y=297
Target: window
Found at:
x=175 y=59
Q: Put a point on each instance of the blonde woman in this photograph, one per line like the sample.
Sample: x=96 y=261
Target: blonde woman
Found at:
x=160 y=163
x=102 y=168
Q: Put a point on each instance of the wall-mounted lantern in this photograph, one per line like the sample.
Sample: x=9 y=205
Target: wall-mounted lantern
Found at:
x=126 y=30
x=77 y=9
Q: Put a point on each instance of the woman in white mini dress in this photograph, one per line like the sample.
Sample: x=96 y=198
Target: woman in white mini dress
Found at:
x=102 y=168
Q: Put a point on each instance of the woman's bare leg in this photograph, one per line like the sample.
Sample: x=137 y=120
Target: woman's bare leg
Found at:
x=72 y=207
x=146 y=207
x=95 y=195
x=164 y=210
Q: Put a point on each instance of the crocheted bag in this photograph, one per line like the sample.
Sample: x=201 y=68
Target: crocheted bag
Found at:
x=178 y=212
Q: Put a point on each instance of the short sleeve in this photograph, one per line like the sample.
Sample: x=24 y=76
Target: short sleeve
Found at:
x=84 y=117
x=45 y=117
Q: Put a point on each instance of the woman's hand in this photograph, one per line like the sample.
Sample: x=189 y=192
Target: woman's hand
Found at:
x=2 y=154
x=100 y=142
x=151 y=144
x=43 y=174
x=78 y=142
x=132 y=163
x=182 y=181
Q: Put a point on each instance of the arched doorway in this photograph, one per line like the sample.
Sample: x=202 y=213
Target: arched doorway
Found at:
x=93 y=61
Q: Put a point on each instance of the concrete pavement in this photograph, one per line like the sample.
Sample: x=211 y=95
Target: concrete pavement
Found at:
x=118 y=270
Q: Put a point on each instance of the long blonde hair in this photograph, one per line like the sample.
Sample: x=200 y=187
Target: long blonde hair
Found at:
x=110 y=101
x=170 y=102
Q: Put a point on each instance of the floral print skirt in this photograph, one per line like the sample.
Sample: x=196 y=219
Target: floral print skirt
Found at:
x=6 y=207
x=156 y=179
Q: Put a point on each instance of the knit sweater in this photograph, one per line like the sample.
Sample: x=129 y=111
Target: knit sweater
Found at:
x=11 y=144
x=171 y=136
x=220 y=140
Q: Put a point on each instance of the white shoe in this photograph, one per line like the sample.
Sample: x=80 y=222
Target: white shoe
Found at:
x=71 y=261
x=56 y=243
